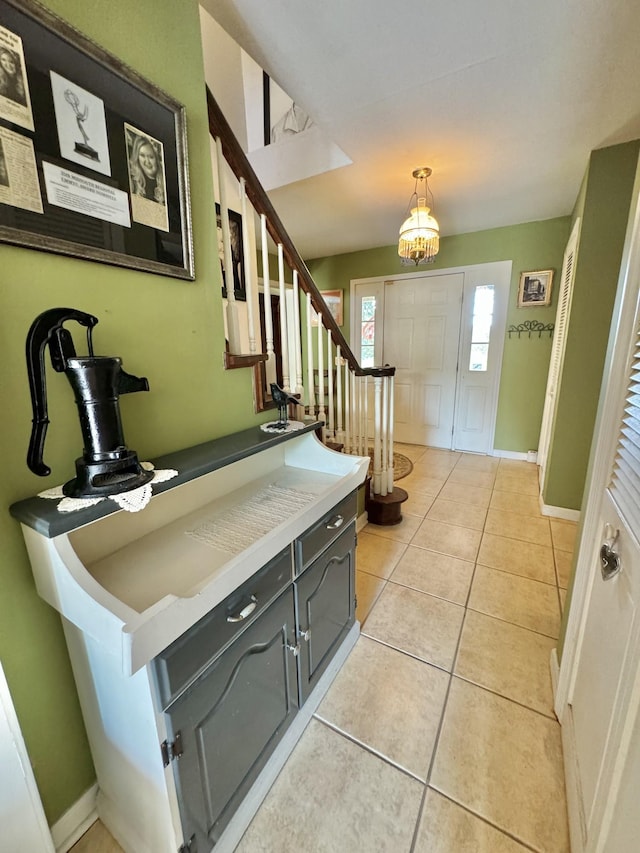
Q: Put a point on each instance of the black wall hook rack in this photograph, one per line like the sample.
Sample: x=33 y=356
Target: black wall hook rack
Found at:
x=530 y=326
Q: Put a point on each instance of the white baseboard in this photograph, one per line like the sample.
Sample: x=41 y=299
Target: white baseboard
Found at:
x=510 y=454
x=559 y=512
x=361 y=522
x=75 y=821
x=554 y=668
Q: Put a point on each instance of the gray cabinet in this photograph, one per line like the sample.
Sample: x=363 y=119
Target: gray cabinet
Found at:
x=200 y=649
x=231 y=686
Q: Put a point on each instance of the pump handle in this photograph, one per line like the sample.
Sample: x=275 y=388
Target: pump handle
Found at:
x=47 y=329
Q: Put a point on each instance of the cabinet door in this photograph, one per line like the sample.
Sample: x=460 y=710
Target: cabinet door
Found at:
x=231 y=719
x=325 y=610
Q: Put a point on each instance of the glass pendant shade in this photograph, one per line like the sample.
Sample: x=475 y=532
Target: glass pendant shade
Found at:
x=420 y=233
x=419 y=236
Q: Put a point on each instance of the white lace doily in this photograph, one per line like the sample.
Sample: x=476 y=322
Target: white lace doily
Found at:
x=132 y=501
x=276 y=426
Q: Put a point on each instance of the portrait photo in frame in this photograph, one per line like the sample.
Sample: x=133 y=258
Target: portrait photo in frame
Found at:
x=535 y=289
x=237 y=254
x=334 y=300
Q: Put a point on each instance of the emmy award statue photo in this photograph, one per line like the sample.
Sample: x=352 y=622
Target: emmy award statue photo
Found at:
x=81 y=116
x=82 y=127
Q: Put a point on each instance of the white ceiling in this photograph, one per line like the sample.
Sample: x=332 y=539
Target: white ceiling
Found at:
x=504 y=99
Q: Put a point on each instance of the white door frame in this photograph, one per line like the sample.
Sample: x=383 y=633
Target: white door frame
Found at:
x=623 y=325
x=23 y=819
x=473 y=276
x=556 y=362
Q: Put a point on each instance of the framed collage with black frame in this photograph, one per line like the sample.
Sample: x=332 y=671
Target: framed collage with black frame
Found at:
x=93 y=157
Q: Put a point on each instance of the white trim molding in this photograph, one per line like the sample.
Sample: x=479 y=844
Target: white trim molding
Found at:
x=510 y=454
x=559 y=511
x=75 y=821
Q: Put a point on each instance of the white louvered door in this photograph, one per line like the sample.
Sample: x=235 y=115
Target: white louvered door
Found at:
x=558 y=347
x=606 y=694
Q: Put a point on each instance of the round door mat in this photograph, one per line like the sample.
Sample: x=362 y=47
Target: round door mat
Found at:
x=402 y=465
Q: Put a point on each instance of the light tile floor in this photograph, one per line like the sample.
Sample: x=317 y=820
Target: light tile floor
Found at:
x=438 y=735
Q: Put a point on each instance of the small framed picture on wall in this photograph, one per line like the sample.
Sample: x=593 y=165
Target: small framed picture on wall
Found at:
x=535 y=288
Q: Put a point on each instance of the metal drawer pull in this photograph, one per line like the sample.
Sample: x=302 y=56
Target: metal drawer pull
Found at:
x=337 y=522
x=247 y=610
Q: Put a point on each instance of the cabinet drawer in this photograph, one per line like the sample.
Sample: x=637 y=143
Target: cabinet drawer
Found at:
x=316 y=538
x=181 y=662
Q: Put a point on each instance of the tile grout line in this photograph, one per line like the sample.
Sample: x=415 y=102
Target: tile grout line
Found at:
x=525 y=844
x=436 y=742
x=451 y=674
x=367 y=748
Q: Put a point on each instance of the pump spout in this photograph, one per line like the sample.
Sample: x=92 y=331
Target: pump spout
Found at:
x=128 y=384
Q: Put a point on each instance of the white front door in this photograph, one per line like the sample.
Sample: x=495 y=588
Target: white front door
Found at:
x=421 y=336
x=599 y=687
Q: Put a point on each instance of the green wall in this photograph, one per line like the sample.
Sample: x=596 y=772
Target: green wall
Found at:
x=168 y=330
x=532 y=246
x=603 y=207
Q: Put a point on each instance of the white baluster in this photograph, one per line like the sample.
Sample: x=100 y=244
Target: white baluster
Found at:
x=339 y=431
x=332 y=431
x=354 y=419
x=311 y=389
x=266 y=286
x=248 y=266
x=363 y=421
x=233 y=322
x=298 y=337
x=356 y=416
x=391 y=416
x=322 y=415
x=347 y=409
x=366 y=416
x=284 y=341
x=377 y=435
x=385 y=436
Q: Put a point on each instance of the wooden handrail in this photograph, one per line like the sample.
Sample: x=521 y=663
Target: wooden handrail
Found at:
x=240 y=166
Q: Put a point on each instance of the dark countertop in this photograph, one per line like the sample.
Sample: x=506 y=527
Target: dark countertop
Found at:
x=42 y=514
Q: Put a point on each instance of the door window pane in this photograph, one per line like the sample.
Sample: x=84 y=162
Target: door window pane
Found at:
x=481 y=327
x=368 y=331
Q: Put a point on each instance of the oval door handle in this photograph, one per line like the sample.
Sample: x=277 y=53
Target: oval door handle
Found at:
x=610 y=563
x=336 y=522
x=247 y=610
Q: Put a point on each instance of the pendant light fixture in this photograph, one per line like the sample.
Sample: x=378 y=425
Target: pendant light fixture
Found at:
x=420 y=233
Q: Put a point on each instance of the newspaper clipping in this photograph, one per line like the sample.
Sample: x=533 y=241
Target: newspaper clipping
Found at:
x=19 y=185
x=15 y=102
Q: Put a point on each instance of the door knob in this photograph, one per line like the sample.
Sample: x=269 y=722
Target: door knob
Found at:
x=610 y=563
